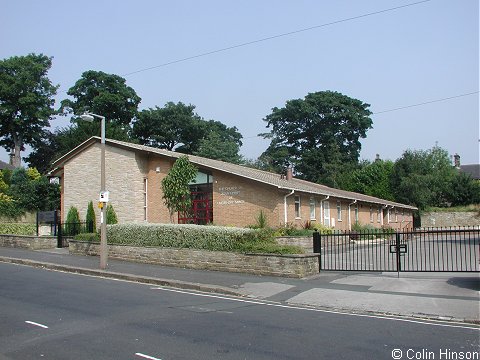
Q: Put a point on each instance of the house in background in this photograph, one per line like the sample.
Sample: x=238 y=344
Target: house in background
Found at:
x=473 y=170
x=223 y=193
x=4 y=165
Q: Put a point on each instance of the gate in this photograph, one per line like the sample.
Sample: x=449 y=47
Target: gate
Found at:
x=429 y=250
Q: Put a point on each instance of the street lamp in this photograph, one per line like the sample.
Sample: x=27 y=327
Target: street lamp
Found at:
x=103 y=219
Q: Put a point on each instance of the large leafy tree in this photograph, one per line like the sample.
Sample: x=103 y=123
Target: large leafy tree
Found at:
x=319 y=135
x=464 y=190
x=177 y=127
x=104 y=94
x=216 y=147
x=423 y=178
x=371 y=178
x=168 y=127
x=26 y=101
x=62 y=140
x=96 y=92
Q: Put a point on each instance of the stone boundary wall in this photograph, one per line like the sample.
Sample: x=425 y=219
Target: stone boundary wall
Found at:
x=28 y=242
x=295 y=266
x=449 y=219
x=306 y=242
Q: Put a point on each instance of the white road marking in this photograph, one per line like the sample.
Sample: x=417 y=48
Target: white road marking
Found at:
x=147 y=356
x=37 y=324
x=256 y=302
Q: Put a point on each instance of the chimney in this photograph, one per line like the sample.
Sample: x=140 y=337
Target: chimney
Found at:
x=456 y=161
x=289 y=173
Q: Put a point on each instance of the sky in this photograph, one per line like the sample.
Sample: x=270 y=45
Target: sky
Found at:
x=425 y=53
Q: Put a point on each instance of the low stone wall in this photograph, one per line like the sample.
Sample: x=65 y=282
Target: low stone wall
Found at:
x=449 y=219
x=306 y=242
x=297 y=266
x=28 y=242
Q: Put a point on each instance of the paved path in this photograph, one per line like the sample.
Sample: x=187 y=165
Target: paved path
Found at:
x=445 y=296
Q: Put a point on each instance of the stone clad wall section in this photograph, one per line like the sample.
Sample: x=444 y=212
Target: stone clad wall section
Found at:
x=28 y=242
x=124 y=180
x=295 y=266
x=450 y=219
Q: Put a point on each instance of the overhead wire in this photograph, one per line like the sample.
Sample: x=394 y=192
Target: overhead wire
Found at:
x=406 y=106
x=274 y=37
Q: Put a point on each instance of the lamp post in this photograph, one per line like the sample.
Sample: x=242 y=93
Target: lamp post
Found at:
x=103 y=220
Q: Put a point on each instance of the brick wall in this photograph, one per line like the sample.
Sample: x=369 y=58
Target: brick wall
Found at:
x=28 y=242
x=238 y=202
x=297 y=266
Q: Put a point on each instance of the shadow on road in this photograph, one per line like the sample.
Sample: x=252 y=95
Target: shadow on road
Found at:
x=472 y=283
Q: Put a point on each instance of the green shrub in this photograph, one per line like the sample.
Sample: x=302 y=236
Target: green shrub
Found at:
x=175 y=235
x=72 y=225
x=18 y=229
x=322 y=229
x=368 y=231
x=91 y=237
x=261 y=220
x=90 y=218
x=214 y=238
x=111 y=215
x=263 y=241
x=290 y=230
x=9 y=207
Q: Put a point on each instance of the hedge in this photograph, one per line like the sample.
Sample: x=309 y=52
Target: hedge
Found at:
x=214 y=238
x=18 y=229
x=175 y=235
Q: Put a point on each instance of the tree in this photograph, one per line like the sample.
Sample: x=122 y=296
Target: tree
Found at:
x=111 y=215
x=319 y=135
x=167 y=127
x=175 y=186
x=218 y=148
x=96 y=92
x=32 y=191
x=177 y=127
x=371 y=178
x=423 y=178
x=464 y=190
x=72 y=225
x=104 y=94
x=55 y=144
x=26 y=101
x=90 y=218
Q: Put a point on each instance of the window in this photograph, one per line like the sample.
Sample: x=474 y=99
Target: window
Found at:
x=371 y=214
x=145 y=187
x=339 y=211
x=356 y=213
x=312 y=208
x=297 y=206
x=396 y=215
x=379 y=215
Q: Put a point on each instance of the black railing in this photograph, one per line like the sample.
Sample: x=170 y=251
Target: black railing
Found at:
x=66 y=230
x=445 y=250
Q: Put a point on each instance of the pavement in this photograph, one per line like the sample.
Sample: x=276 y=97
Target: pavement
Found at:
x=438 y=296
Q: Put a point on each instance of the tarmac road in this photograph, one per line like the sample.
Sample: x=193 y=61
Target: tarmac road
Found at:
x=56 y=315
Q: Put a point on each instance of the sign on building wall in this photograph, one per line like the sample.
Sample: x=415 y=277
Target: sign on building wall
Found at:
x=229 y=195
